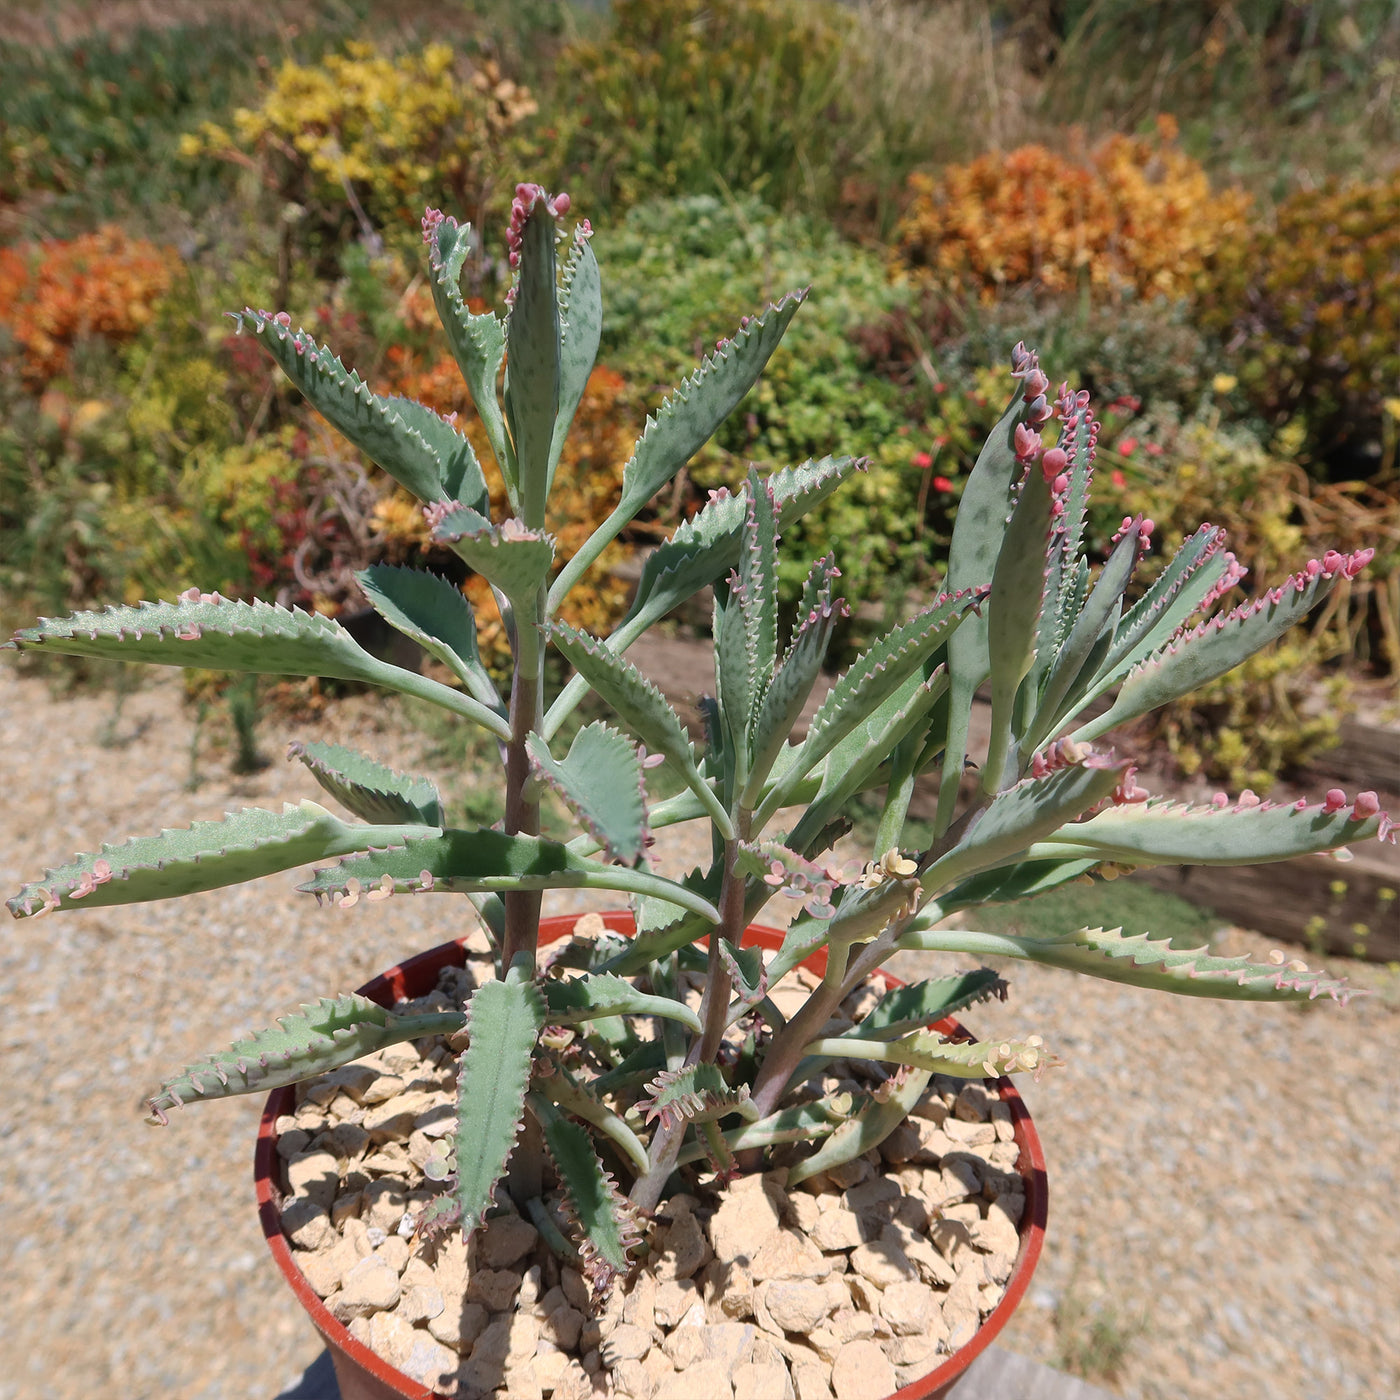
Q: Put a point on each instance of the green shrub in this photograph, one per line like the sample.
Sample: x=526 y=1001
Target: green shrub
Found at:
x=96 y=121
x=701 y=96
x=686 y=270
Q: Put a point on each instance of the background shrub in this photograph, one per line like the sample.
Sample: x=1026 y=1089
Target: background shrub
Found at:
x=1310 y=304
x=1129 y=214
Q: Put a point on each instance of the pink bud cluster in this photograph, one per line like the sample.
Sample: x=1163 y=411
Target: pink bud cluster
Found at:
x=1128 y=790
x=433 y=219
x=1331 y=564
x=527 y=196
x=1235 y=572
x=1063 y=753
x=435 y=512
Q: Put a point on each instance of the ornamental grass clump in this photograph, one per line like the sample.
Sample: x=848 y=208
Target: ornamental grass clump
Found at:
x=618 y=1079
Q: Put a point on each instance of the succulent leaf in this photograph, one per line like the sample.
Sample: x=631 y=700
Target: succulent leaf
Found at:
x=695 y=1094
x=1142 y=961
x=478 y=342
x=532 y=381
x=509 y=556
x=370 y=790
x=417 y=447
x=1021 y=815
x=972 y=557
x=434 y=613
x=689 y=415
x=931 y=1052
x=758 y=583
x=466 y=862
x=805 y=1122
x=1011 y=883
x=318 y=1038
x=607 y=1225
x=1194 y=657
x=872 y=1123
x=205 y=630
x=1015 y=605
x=503 y=1018
x=916 y=1004
x=205 y=856
x=581 y=327
x=875 y=675
x=1245 y=833
x=575 y=999
x=787 y=693
x=561 y=1089
x=601 y=781
x=1096 y=616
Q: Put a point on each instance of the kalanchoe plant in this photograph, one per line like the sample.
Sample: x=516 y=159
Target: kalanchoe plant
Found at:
x=621 y=1079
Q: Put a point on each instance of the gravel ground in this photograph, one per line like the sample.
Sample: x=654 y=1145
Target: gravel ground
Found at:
x=1237 y=1207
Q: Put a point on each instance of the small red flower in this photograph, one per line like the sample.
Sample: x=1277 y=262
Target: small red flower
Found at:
x=1153 y=449
x=923 y=461
x=941 y=483
x=1127 y=446
x=1119 y=480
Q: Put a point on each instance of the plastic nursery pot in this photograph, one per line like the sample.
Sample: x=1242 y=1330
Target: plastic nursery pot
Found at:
x=362 y=1375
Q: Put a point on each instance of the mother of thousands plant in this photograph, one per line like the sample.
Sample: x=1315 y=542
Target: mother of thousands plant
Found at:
x=644 y=1082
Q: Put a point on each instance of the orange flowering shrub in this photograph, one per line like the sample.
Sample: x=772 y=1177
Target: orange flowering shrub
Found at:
x=54 y=292
x=1134 y=215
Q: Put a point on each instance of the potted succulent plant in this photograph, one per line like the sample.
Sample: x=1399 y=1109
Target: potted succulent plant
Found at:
x=646 y=1057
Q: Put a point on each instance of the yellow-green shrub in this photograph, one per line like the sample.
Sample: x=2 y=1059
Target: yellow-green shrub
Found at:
x=1131 y=213
x=395 y=132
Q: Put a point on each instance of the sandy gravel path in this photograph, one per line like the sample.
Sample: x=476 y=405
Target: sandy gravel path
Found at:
x=1252 y=1221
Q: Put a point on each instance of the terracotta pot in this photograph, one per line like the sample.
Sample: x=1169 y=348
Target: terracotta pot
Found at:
x=364 y=1376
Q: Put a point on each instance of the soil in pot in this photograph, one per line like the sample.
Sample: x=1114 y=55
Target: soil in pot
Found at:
x=853 y=1284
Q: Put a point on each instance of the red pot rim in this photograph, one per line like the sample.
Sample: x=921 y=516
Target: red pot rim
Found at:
x=391 y=985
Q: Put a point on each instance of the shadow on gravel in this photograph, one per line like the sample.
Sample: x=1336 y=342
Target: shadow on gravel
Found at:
x=317 y=1382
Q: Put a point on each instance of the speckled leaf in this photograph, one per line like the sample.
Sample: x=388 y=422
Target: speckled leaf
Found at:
x=312 y=1041
x=531 y=391
x=433 y=611
x=1177 y=833
x=702 y=401
x=370 y=790
x=417 y=447
x=872 y=1123
x=918 y=1004
x=512 y=558
x=504 y=1020
x=478 y=342
x=575 y=999
x=581 y=326
x=1142 y=961
x=206 y=856
x=601 y=781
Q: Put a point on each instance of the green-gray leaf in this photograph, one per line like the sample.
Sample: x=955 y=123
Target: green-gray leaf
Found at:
x=601 y=780
x=370 y=790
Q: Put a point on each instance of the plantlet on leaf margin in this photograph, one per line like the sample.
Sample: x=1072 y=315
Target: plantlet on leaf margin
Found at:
x=1025 y=612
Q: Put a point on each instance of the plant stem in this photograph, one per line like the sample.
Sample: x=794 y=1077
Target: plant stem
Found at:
x=714 y=1015
x=522 y=817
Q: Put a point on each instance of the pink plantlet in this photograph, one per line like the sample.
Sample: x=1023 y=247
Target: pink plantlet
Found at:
x=1038 y=410
x=190 y=632
x=1367 y=805
x=1053 y=463
x=652 y=760
x=351 y=897
x=283 y=318
x=1332 y=561
x=383 y=890
x=1027 y=442
x=425 y=879
x=1220 y=801
x=102 y=871
x=190 y=595
x=432 y=220
x=1036 y=384
x=562 y=204
x=1358 y=561
x=1335 y=800
x=1060 y=484
x=1248 y=798
x=1128 y=789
